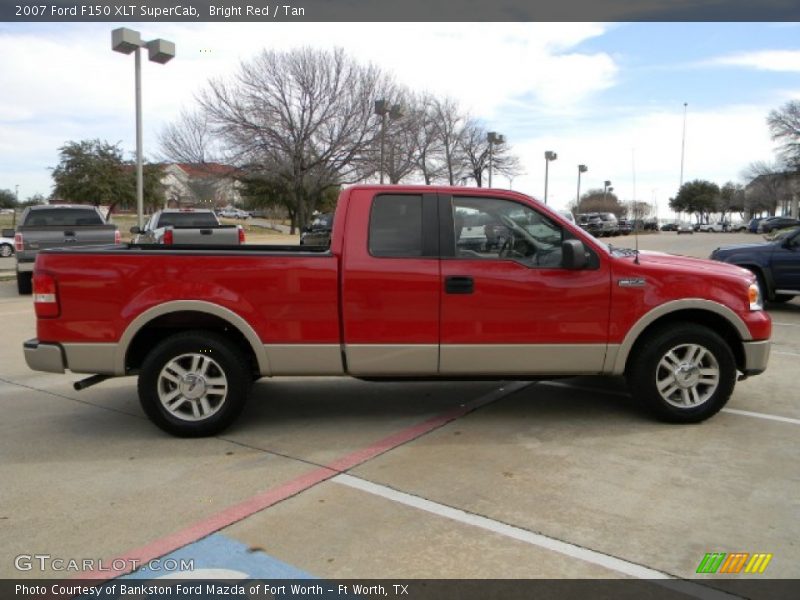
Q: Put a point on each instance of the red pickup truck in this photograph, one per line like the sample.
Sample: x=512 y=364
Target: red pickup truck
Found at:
x=399 y=294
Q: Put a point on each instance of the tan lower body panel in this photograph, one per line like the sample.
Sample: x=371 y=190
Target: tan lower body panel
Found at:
x=522 y=359
x=400 y=360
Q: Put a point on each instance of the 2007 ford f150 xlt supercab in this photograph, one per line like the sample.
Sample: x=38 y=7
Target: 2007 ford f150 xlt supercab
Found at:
x=399 y=295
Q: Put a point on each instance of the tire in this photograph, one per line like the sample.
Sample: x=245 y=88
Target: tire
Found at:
x=24 y=283
x=194 y=384
x=781 y=298
x=6 y=250
x=683 y=373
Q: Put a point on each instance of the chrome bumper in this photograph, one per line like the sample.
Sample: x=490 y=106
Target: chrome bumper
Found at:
x=44 y=357
x=756 y=357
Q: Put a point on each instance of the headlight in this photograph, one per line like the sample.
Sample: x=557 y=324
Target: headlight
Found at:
x=754 y=296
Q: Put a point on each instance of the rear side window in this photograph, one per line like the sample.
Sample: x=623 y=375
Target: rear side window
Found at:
x=395 y=226
x=187 y=220
x=63 y=217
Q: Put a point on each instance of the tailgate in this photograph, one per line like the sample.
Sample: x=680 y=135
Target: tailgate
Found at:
x=39 y=238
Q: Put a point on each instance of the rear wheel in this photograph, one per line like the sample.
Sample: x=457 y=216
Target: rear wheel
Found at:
x=6 y=250
x=194 y=384
x=683 y=373
x=24 y=283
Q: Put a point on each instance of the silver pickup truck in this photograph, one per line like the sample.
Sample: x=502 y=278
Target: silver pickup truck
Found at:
x=187 y=226
x=56 y=226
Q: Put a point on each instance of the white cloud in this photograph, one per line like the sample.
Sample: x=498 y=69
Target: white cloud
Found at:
x=764 y=60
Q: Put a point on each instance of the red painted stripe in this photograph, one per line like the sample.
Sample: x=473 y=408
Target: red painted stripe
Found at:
x=259 y=502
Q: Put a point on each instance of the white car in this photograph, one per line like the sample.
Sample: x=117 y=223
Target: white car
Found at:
x=7 y=244
x=712 y=227
x=684 y=228
x=234 y=213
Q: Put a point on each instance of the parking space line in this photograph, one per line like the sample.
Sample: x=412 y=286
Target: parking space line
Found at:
x=733 y=411
x=785 y=353
x=747 y=413
x=264 y=500
x=786 y=324
x=588 y=555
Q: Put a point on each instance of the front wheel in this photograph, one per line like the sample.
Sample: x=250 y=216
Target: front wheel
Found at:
x=194 y=384
x=6 y=250
x=683 y=373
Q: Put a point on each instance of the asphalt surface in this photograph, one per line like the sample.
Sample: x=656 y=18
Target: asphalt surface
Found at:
x=337 y=478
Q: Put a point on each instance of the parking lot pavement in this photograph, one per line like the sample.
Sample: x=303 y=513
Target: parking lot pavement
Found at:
x=568 y=478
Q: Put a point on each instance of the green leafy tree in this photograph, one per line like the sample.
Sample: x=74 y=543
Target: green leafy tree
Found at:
x=7 y=199
x=731 y=199
x=95 y=172
x=92 y=172
x=698 y=197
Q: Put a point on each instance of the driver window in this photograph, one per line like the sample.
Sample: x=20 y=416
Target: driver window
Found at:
x=490 y=228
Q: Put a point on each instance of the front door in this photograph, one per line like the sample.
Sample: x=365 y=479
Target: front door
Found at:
x=508 y=306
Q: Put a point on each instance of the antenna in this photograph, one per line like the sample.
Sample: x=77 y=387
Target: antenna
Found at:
x=635 y=211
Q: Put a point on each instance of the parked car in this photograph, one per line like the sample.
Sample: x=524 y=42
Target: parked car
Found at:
x=234 y=213
x=772 y=223
x=591 y=223
x=567 y=215
x=318 y=232
x=625 y=226
x=187 y=226
x=392 y=299
x=737 y=227
x=7 y=243
x=752 y=226
x=669 y=227
x=712 y=227
x=55 y=225
x=684 y=227
x=776 y=264
x=610 y=225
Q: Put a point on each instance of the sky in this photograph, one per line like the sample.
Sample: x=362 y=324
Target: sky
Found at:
x=607 y=95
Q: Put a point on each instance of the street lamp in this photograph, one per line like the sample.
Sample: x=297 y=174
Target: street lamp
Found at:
x=548 y=156
x=581 y=169
x=128 y=41
x=493 y=138
x=606 y=188
x=383 y=110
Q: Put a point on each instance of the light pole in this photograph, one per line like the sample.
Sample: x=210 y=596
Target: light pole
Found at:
x=126 y=40
x=683 y=143
x=606 y=188
x=548 y=156
x=383 y=110
x=493 y=138
x=581 y=169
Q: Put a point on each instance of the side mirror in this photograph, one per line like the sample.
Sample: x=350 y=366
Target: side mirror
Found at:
x=135 y=229
x=573 y=255
x=8 y=233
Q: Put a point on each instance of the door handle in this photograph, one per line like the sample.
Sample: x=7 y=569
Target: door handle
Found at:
x=459 y=285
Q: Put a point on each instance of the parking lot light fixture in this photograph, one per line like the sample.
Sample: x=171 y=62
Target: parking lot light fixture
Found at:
x=548 y=156
x=493 y=138
x=127 y=41
x=581 y=169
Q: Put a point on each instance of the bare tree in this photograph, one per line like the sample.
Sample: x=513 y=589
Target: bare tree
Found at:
x=304 y=116
x=784 y=125
x=428 y=147
x=450 y=126
x=768 y=187
x=188 y=140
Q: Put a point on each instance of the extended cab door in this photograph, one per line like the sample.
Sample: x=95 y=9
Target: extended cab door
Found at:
x=390 y=284
x=508 y=307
